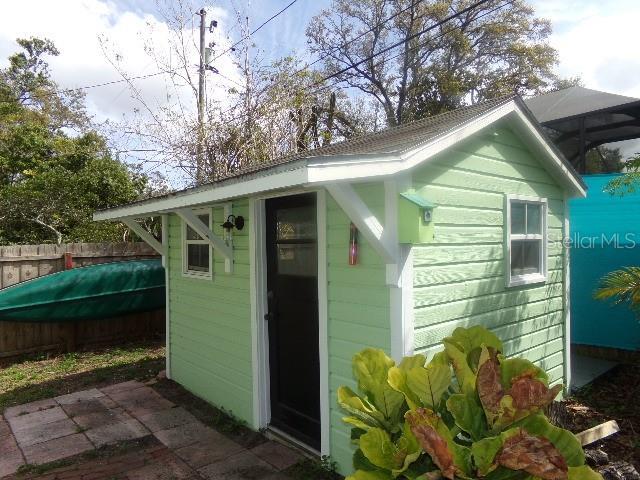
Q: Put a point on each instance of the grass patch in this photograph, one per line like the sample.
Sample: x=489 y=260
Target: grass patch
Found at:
x=29 y=469
x=311 y=469
x=97 y=457
x=37 y=379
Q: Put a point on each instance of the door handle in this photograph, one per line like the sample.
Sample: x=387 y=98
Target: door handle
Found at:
x=270 y=301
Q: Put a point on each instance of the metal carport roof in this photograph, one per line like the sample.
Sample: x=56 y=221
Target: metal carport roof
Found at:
x=579 y=118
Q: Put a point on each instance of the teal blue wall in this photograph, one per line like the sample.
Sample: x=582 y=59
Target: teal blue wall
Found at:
x=601 y=215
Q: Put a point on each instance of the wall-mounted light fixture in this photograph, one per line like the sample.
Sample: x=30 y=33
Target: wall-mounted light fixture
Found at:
x=232 y=221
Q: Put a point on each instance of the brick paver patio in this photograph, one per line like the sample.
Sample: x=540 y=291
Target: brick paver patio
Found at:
x=181 y=447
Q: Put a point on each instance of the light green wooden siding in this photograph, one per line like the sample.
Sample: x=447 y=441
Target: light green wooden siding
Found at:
x=358 y=309
x=211 y=322
x=459 y=279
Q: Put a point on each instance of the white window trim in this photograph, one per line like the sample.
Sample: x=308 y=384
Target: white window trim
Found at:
x=532 y=278
x=192 y=273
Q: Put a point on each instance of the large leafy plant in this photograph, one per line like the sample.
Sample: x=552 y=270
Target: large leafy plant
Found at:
x=468 y=413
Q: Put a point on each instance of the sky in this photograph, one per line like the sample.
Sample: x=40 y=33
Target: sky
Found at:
x=596 y=40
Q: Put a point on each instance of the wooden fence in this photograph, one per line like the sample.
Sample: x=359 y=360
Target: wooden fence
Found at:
x=24 y=262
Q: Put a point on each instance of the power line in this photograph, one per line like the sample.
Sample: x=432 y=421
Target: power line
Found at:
x=165 y=72
x=257 y=29
x=404 y=41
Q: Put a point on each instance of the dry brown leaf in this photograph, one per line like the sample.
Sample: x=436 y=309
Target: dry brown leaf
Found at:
x=431 y=441
x=528 y=393
x=535 y=455
x=488 y=384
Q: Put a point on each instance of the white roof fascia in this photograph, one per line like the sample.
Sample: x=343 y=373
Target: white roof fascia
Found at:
x=291 y=178
x=532 y=137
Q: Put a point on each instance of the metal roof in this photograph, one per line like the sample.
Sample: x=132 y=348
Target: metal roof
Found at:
x=375 y=147
x=389 y=141
x=579 y=119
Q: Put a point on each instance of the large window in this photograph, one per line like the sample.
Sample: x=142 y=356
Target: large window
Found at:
x=196 y=251
x=526 y=240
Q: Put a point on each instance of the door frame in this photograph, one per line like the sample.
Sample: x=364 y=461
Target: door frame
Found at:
x=258 y=297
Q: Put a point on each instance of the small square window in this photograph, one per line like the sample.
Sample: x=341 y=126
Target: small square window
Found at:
x=196 y=250
x=526 y=239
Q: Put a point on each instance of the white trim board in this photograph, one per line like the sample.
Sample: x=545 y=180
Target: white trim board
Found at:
x=259 y=330
x=167 y=314
x=566 y=260
x=325 y=170
x=323 y=324
x=257 y=294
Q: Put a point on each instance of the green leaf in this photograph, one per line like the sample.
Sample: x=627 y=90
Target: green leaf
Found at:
x=369 y=475
x=360 y=462
x=377 y=447
x=463 y=349
x=417 y=360
x=468 y=414
x=511 y=368
x=397 y=378
x=418 y=468
x=465 y=376
x=583 y=473
x=421 y=386
x=475 y=337
x=408 y=446
x=371 y=369
x=363 y=414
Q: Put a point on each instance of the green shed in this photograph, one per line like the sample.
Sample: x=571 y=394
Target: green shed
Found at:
x=390 y=240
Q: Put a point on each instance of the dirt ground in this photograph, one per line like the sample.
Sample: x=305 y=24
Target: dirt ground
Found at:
x=613 y=396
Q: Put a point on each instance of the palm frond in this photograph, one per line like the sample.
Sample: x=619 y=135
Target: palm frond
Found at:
x=623 y=286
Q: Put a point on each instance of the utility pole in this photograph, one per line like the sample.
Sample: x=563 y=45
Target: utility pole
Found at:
x=200 y=147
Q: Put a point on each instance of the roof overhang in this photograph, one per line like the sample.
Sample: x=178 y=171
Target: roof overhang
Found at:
x=313 y=172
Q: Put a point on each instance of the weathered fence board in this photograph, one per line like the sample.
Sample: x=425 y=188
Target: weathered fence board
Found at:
x=24 y=262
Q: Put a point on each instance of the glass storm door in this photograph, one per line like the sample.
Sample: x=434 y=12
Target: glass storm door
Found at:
x=292 y=284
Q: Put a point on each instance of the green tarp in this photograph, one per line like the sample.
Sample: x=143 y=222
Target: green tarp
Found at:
x=87 y=293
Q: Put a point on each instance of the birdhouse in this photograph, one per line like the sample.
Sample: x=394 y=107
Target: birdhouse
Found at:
x=415 y=218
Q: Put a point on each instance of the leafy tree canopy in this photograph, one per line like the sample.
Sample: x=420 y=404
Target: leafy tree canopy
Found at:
x=55 y=169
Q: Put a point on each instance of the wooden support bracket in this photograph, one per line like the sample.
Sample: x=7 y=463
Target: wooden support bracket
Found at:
x=145 y=235
x=367 y=223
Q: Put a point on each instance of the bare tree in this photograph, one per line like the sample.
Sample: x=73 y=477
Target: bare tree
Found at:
x=256 y=109
x=492 y=49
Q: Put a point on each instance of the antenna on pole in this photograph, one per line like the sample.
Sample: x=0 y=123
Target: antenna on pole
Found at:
x=201 y=72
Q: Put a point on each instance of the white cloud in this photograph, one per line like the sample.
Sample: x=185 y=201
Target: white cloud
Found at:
x=597 y=40
x=76 y=26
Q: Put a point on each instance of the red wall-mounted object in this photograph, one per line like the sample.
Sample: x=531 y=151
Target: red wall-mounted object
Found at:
x=68 y=261
x=353 y=245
